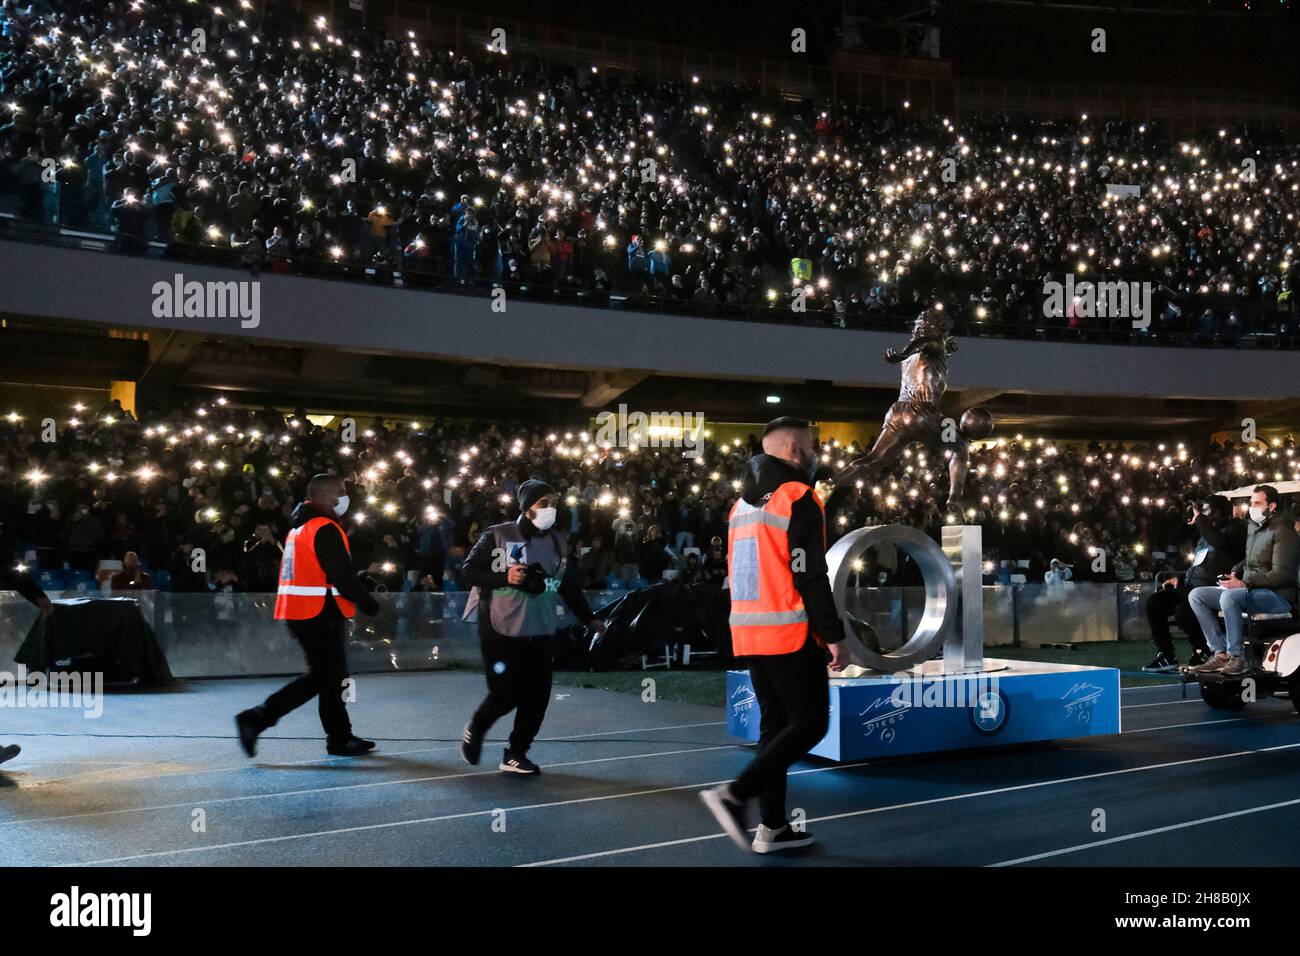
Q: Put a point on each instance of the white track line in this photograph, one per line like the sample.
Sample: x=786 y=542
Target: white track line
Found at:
x=200 y=801
x=924 y=803
x=1165 y=686
x=450 y=816
x=253 y=765
x=1165 y=703
x=1145 y=833
x=658 y=790
x=389 y=783
x=1197 y=723
x=260 y=796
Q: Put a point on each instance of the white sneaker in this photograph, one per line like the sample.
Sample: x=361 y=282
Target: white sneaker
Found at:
x=768 y=840
x=729 y=812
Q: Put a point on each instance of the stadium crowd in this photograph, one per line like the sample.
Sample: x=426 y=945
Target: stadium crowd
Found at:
x=225 y=480
x=278 y=144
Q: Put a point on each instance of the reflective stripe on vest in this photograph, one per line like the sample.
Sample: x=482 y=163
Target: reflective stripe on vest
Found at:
x=767 y=612
x=303 y=584
x=747 y=618
x=759 y=516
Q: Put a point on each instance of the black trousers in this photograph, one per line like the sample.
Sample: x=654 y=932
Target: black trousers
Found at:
x=1173 y=601
x=327 y=668
x=793 y=694
x=519 y=678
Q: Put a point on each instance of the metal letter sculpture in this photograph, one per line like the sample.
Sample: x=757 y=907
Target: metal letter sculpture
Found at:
x=953 y=617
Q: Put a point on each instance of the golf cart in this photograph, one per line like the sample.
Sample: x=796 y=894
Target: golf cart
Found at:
x=1271 y=645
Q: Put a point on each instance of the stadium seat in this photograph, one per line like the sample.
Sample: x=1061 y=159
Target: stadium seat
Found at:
x=51 y=580
x=81 y=581
x=106 y=570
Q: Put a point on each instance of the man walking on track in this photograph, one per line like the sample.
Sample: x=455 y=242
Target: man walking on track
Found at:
x=783 y=618
x=517 y=569
x=318 y=591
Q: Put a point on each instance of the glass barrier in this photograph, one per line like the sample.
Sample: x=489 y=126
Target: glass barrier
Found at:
x=1070 y=613
x=1133 y=624
x=228 y=635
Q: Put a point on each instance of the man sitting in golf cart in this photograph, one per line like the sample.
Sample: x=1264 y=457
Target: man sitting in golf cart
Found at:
x=1264 y=583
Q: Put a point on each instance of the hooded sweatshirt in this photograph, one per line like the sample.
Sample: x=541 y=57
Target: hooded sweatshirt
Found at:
x=807 y=531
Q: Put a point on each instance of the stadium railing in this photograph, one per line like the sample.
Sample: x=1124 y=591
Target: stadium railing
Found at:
x=229 y=635
x=1261 y=325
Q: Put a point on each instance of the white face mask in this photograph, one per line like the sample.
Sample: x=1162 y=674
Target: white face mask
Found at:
x=543 y=519
x=1257 y=515
x=341 y=508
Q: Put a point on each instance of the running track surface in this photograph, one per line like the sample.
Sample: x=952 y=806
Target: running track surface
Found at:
x=160 y=780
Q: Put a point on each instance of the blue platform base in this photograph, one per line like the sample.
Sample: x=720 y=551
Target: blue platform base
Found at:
x=924 y=711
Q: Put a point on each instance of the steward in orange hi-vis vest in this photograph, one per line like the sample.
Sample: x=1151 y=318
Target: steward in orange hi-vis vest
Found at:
x=776 y=560
x=303 y=581
x=319 y=592
x=785 y=625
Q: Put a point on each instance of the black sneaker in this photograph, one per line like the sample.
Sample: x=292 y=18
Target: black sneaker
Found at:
x=768 y=840
x=1161 y=665
x=518 y=763
x=9 y=752
x=729 y=812
x=352 y=747
x=471 y=747
x=249 y=725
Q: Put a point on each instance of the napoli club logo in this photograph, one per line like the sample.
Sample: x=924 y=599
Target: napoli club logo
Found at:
x=989 y=715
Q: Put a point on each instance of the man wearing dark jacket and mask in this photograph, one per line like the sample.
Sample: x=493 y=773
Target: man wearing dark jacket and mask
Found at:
x=1222 y=544
x=318 y=591
x=515 y=569
x=11 y=579
x=1265 y=582
x=783 y=618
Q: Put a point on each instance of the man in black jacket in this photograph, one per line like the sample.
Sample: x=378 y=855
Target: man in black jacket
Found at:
x=12 y=579
x=516 y=568
x=318 y=591
x=785 y=641
x=1222 y=544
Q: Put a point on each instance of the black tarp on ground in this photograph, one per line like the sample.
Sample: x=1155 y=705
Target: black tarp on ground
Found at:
x=664 y=613
x=104 y=635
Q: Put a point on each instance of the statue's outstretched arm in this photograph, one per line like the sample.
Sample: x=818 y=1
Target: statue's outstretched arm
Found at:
x=894 y=356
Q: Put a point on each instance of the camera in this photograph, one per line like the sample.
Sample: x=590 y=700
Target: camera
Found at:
x=534 y=581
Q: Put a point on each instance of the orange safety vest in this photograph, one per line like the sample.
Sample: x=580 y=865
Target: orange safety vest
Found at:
x=767 y=612
x=303 y=585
